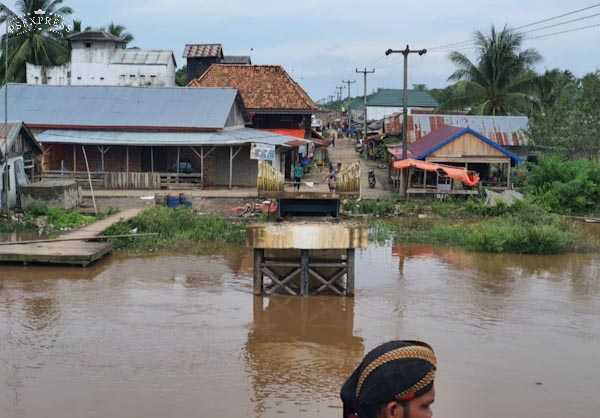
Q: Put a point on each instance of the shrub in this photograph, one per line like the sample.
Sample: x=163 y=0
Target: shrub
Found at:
x=176 y=227
x=565 y=186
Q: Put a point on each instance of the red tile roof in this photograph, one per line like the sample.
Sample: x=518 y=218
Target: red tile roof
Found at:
x=202 y=50
x=262 y=87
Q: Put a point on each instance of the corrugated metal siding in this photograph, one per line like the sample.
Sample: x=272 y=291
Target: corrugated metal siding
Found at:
x=141 y=56
x=505 y=130
x=225 y=137
x=119 y=106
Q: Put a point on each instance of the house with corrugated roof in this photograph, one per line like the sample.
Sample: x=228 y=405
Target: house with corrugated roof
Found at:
x=20 y=160
x=102 y=59
x=385 y=102
x=457 y=147
x=132 y=137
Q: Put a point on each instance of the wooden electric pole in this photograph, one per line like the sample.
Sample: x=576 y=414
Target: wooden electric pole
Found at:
x=364 y=73
x=348 y=83
x=405 y=52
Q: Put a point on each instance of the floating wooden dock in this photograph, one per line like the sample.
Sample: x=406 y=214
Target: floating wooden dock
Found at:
x=79 y=252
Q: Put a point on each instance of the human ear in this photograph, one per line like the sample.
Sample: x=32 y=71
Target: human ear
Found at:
x=392 y=410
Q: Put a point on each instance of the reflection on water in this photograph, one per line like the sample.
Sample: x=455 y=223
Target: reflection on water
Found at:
x=301 y=347
x=182 y=335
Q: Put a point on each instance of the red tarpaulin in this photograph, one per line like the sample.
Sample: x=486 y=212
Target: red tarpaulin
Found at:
x=470 y=178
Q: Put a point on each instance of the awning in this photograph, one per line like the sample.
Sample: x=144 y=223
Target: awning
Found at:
x=470 y=178
x=296 y=133
x=239 y=136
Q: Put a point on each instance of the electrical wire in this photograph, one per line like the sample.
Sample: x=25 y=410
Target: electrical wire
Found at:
x=467 y=42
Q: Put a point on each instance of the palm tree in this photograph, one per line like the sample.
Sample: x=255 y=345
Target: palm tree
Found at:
x=119 y=31
x=77 y=25
x=501 y=80
x=41 y=47
x=551 y=85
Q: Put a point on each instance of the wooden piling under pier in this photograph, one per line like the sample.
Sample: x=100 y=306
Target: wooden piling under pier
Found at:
x=305 y=258
x=80 y=252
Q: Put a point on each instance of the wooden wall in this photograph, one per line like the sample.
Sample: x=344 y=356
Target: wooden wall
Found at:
x=467 y=145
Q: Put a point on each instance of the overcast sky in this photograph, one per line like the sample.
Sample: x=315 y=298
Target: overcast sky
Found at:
x=321 y=42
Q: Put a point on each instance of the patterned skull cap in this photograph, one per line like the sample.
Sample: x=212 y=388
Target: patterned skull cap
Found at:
x=398 y=370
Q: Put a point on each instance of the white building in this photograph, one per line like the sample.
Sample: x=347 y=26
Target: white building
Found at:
x=101 y=59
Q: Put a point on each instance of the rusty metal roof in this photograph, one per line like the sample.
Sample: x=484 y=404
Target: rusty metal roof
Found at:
x=504 y=130
x=203 y=50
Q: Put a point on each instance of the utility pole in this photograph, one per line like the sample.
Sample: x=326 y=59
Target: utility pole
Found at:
x=364 y=73
x=405 y=52
x=348 y=83
x=3 y=174
x=338 y=92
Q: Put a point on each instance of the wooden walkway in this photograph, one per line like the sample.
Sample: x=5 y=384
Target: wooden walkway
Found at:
x=80 y=253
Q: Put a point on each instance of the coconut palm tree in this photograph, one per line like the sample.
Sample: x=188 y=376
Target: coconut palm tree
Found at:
x=502 y=78
x=119 y=30
x=41 y=46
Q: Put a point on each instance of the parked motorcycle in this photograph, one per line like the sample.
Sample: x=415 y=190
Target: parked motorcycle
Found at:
x=372 y=179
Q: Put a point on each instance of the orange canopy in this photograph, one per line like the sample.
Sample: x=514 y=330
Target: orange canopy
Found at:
x=470 y=178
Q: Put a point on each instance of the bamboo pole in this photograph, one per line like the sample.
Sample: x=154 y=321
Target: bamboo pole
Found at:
x=87 y=166
x=95 y=238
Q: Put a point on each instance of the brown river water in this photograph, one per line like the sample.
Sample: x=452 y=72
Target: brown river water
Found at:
x=181 y=335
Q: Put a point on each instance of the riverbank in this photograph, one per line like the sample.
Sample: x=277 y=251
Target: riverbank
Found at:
x=523 y=228
x=49 y=222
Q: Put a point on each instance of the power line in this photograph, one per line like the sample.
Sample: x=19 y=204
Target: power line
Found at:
x=558 y=17
x=547 y=35
x=467 y=42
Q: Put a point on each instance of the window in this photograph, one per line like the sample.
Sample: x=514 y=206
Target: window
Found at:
x=78 y=78
x=153 y=76
x=142 y=76
x=88 y=44
x=101 y=78
x=36 y=77
x=131 y=75
x=49 y=78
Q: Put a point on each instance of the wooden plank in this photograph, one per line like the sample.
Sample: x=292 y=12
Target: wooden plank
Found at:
x=75 y=252
x=259 y=255
x=351 y=270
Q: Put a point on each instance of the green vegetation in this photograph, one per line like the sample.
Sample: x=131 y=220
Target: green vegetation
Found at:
x=49 y=221
x=176 y=228
x=498 y=82
x=42 y=46
x=564 y=186
x=522 y=228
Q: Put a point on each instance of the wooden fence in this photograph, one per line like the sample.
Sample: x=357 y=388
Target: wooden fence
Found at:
x=348 y=179
x=127 y=180
x=269 y=179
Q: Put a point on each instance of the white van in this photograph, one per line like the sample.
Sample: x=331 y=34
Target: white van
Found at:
x=16 y=176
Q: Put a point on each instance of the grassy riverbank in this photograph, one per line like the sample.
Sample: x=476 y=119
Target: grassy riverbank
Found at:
x=522 y=228
x=49 y=221
x=176 y=228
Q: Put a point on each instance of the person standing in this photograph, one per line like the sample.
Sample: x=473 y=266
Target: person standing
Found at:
x=331 y=179
x=298 y=174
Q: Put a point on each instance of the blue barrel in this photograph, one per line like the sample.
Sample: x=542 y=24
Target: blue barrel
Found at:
x=172 y=201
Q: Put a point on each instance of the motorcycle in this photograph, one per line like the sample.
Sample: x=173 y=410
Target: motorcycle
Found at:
x=372 y=179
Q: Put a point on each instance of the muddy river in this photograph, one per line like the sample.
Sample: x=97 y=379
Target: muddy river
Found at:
x=177 y=335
